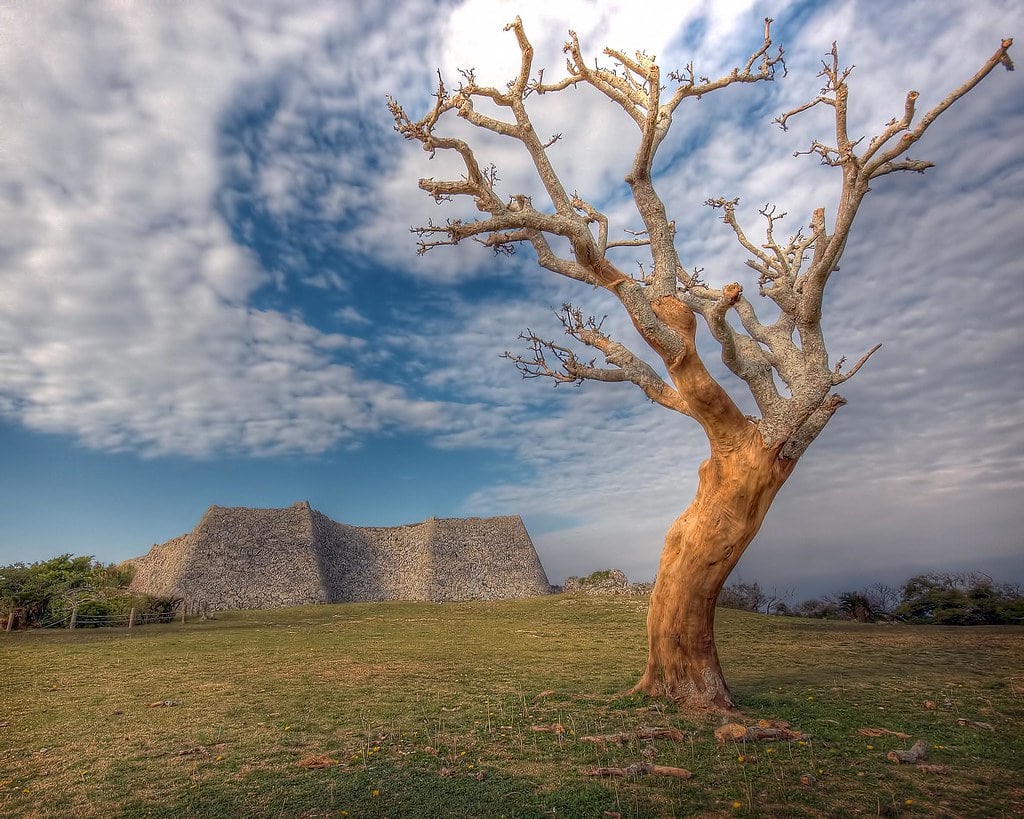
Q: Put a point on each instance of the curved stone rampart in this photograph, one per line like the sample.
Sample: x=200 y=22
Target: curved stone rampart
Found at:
x=267 y=558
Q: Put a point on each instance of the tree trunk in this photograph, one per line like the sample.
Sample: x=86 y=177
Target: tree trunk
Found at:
x=736 y=487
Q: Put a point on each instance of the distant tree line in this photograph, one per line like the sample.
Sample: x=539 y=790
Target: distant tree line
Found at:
x=966 y=599
x=45 y=593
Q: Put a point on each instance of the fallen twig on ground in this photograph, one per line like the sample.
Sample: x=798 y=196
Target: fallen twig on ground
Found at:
x=881 y=732
x=641 y=769
x=969 y=723
x=763 y=731
x=916 y=753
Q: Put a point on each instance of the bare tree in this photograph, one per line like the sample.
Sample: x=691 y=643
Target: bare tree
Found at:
x=777 y=601
x=884 y=598
x=750 y=458
x=744 y=596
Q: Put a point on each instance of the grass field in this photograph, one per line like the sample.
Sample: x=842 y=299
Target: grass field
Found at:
x=423 y=710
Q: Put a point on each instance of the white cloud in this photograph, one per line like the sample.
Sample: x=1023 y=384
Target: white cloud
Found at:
x=141 y=136
x=126 y=304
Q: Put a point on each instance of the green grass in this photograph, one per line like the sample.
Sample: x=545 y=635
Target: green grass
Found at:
x=399 y=694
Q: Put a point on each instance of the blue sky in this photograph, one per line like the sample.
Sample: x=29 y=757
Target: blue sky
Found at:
x=209 y=293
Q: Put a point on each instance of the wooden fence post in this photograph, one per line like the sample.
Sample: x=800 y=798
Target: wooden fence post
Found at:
x=74 y=616
x=131 y=617
x=10 y=620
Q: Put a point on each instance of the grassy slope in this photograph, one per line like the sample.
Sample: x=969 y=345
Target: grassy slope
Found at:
x=400 y=693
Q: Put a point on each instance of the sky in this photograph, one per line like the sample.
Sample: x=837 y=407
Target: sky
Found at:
x=209 y=293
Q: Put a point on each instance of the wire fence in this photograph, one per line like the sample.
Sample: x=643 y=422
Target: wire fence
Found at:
x=60 y=622
x=117 y=620
x=76 y=620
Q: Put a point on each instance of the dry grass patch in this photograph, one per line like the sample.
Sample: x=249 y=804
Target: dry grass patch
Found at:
x=351 y=672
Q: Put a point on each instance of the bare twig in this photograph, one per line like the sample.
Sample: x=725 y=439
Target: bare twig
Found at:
x=640 y=769
x=839 y=378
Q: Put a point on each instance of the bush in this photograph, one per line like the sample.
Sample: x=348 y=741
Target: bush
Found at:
x=49 y=590
x=960 y=600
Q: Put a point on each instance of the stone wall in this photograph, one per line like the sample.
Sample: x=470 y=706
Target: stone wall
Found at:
x=267 y=558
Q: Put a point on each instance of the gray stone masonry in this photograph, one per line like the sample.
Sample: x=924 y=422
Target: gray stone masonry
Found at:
x=610 y=581
x=241 y=558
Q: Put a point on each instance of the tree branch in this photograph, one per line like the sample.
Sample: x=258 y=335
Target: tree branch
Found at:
x=798 y=291
x=839 y=377
x=1000 y=57
x=627 y=366
x=689 y=86
x=798 y=441
x=858 y=170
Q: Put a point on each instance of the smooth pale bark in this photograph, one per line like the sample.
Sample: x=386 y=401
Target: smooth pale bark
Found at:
x=736 y=488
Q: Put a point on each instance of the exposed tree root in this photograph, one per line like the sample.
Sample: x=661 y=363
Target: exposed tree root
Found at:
x=689 y=705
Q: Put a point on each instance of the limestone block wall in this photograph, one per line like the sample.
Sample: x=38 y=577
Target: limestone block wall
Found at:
x=253 y=558
x=472 y=559
x=267 y=558
x=157 y=572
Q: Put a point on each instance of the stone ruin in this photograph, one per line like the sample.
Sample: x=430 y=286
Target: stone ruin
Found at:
x=609 y=581
x=241 y=558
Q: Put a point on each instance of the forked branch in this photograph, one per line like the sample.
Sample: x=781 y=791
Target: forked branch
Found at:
x=560 y=363
x=884 y=154
x=794 y=274
x=662 y=301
